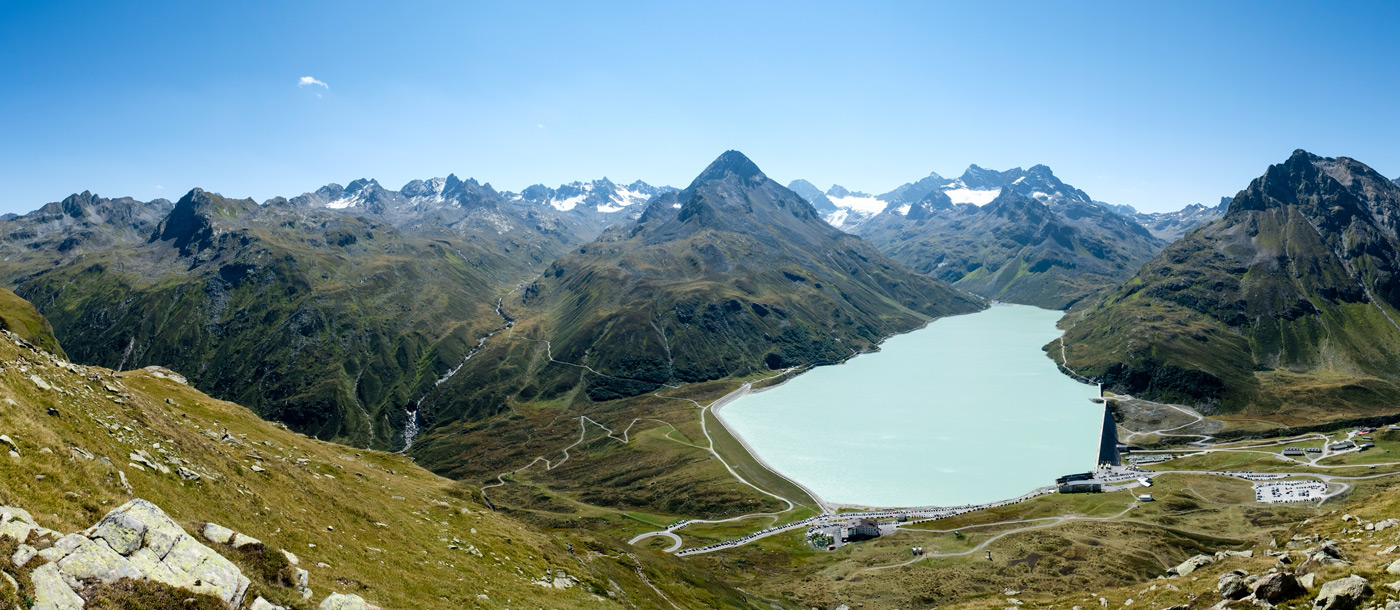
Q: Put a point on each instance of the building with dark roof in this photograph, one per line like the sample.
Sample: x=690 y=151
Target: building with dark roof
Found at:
x=861 y=529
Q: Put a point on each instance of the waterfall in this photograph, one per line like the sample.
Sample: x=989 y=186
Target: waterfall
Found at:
x=410 y=429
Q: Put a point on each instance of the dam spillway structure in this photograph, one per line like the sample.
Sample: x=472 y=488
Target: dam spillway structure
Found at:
x=1108 y=440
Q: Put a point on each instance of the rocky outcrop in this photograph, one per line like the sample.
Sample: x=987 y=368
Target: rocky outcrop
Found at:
x=138 y=541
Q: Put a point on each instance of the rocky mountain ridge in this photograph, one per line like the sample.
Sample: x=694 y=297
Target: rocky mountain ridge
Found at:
x=1286 y=303
x=1034 y=240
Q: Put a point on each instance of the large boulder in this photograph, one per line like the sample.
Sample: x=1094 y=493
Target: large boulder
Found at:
x=1231 y=585
x=138 y=540
x=1342 y=594
x=1190 y=565
x=1278 y=587
x=216 y=533
x=338 y=601
x=1327 y=553
x=122 y=531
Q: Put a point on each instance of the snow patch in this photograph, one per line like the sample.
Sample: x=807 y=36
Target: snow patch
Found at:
x=868 y=205
x=837 y=218
x=978 y=197
x=564 y=205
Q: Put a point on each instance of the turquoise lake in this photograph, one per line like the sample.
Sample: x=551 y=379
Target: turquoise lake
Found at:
x=966 y=410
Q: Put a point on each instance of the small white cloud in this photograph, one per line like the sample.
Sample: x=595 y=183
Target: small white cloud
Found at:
x=307 y=81
x=540 y=125
x=159 y=187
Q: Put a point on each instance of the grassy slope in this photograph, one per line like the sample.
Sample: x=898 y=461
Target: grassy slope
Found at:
x=21 y=318
x=333 y=339
x=393 y=521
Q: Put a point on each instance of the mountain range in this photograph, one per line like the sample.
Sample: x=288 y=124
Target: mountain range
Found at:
x=332 y=311
x=1021 y=236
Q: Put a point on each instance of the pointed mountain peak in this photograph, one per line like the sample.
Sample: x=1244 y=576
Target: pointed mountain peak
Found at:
x=732 y=162
x=979 y=177
x=190 y=224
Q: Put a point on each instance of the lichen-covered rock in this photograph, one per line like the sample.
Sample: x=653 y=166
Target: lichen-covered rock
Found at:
x=240 y=540
x=122 y=531
x=23 y=554
x=217 y=575
x=94 y=561
x=11 y=513
x=216 y=533
x=51 y=591
x=1342 y=594
x=1278 y=587
x=337 y=601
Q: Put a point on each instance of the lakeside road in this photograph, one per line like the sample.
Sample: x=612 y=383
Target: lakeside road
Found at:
x=743 y=390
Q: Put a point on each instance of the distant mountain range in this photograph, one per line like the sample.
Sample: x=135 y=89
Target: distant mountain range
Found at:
x=1288 y=305
x=1018 y=235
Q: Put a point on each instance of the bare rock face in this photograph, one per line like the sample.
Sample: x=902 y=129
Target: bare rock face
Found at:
x=1278 y=587
x=1342 y=594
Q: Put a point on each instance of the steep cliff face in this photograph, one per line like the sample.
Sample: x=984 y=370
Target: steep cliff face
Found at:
x=1290 y=298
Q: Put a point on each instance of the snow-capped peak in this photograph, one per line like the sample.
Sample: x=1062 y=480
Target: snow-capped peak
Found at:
x=602 y=196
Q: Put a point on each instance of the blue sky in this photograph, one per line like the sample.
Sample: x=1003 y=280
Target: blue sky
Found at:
x=1153 y=105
